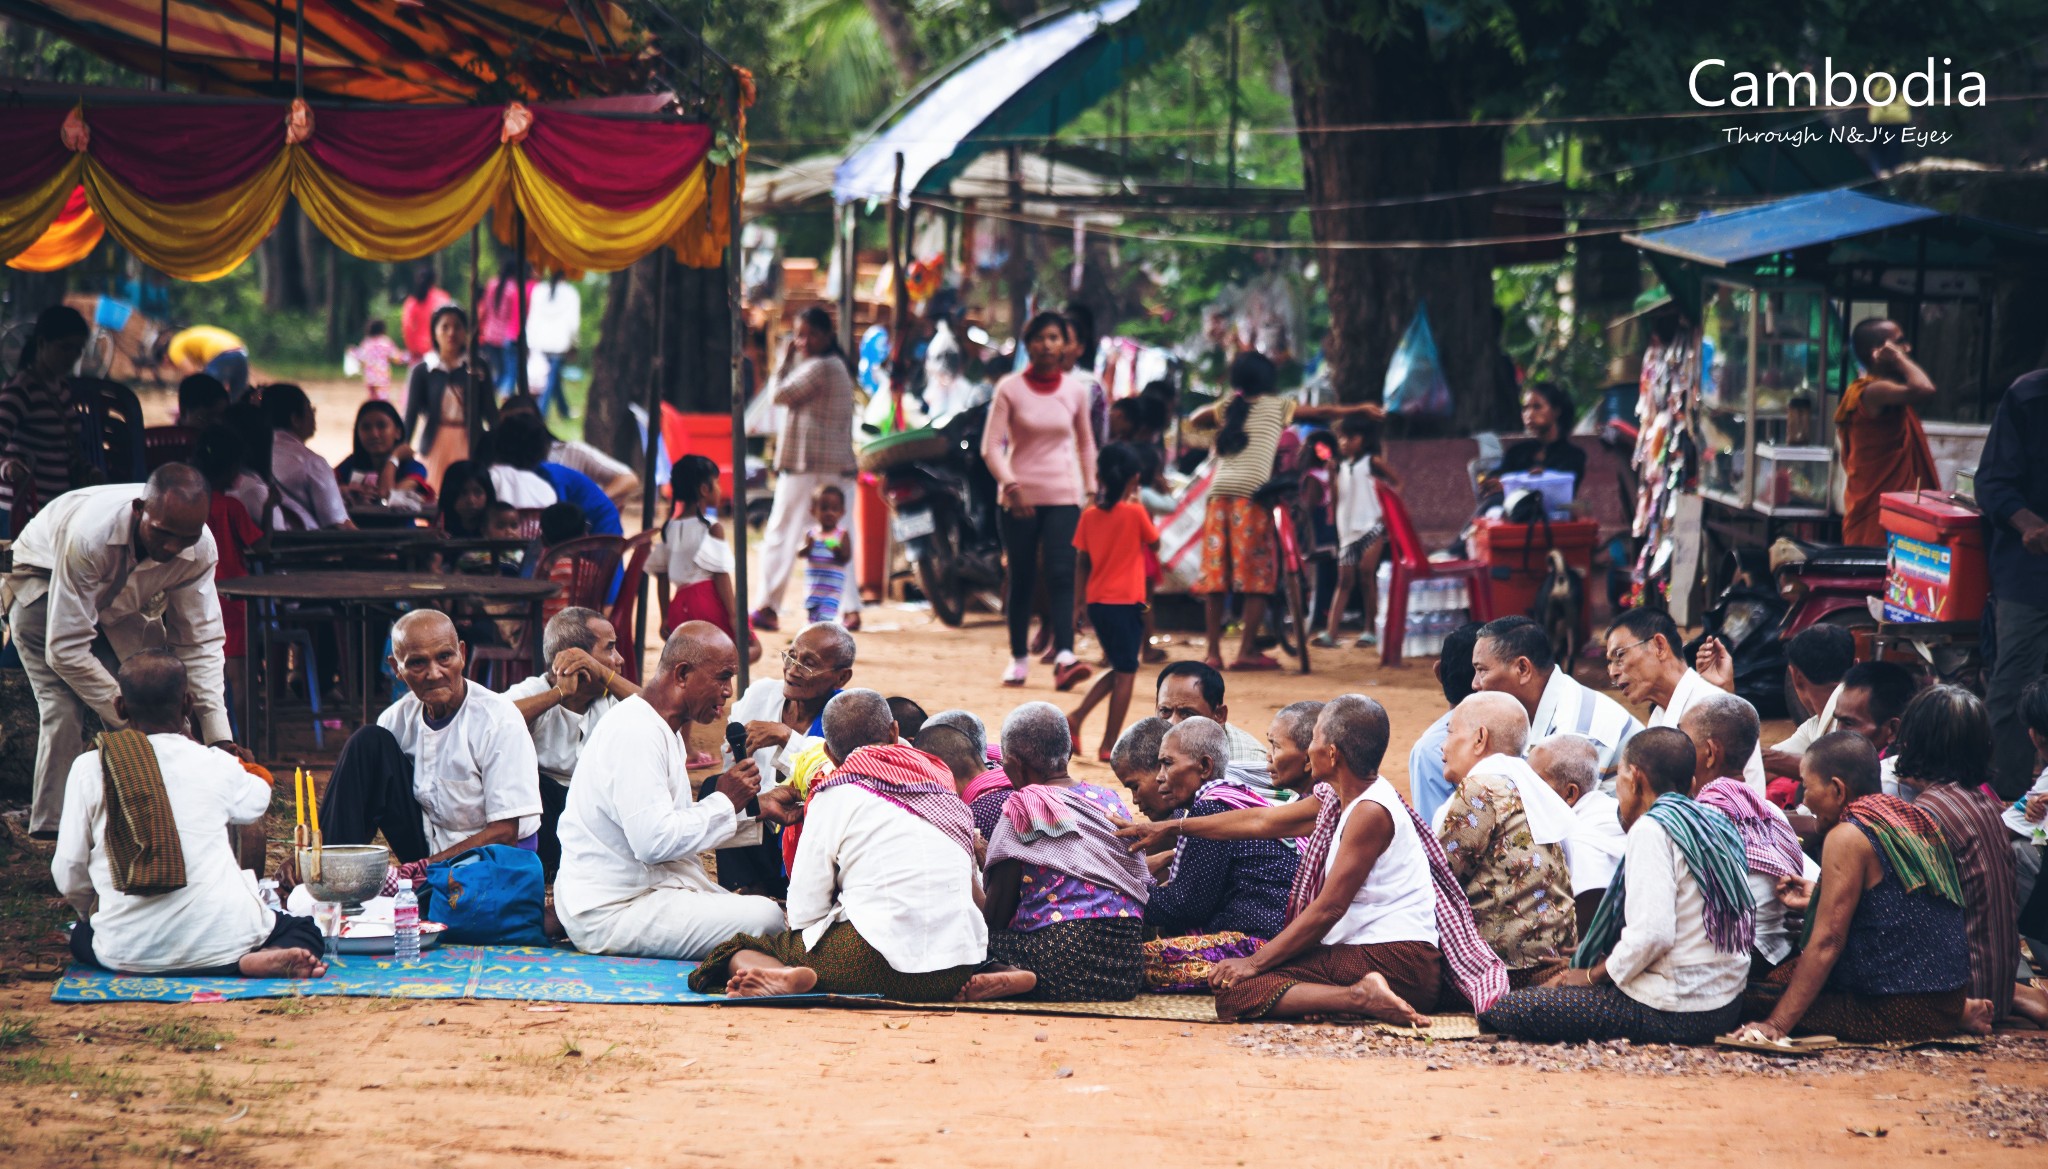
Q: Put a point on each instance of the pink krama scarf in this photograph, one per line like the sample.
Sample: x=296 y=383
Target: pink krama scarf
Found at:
x=913 y=781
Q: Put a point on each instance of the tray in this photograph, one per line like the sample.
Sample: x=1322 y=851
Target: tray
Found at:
x=430 y=936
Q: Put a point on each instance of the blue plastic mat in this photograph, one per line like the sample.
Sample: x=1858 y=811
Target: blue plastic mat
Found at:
x=475 y=972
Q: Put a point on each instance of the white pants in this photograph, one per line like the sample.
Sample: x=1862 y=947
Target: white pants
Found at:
x=60 y=738
x=679 y=924
x=787 y=523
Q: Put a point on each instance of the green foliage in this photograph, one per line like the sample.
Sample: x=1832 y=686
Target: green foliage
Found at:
x=184 y=1035
x=1543 y=336
x=18 y=1031
x=34 y=1071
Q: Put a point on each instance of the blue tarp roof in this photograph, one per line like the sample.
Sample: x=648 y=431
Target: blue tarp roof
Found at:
x=1026 y=83
x=1785 y=226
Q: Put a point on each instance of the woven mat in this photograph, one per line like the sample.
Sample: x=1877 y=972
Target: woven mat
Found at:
x=1174 y=1008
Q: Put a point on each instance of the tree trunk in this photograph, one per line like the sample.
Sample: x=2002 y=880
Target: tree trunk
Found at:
x=894 y=23
x=698 y=327
x=1339 y=79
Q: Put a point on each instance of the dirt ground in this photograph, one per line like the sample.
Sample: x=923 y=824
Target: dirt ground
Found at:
x=457 y=1083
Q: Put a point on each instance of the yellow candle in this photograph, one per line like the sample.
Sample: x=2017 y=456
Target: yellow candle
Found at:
x=299 y=795
x=313 y=803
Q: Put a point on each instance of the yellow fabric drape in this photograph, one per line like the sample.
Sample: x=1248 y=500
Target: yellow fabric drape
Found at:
x=201 y=240
x=563 y=231
x=388 y=229
x=24 y=219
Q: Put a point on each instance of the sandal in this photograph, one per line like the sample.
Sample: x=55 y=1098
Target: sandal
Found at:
x=1323 y=641
x=1151 y=655
x=765 y=620
x=1103 y=755
x=1074 y=673
x=1261 y=662
x=1365 y=641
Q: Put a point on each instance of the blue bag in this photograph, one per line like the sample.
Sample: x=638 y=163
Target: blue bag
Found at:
x=487 y=896
x=1415 y=384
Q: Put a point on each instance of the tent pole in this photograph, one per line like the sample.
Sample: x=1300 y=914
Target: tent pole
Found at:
x=1230 y=170
x=898 y=280
x=472 y=401
x=519 y=293
x=276 y=41
x=849 y=273
x=739 y=403
x=653 y=444
x=299 y=71
x=163 y=46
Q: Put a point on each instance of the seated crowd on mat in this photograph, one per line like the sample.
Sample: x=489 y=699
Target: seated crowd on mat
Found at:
x=863 y=847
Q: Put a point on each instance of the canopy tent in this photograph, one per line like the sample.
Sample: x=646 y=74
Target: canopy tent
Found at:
x=807 y=182
x=1024 y=83
x=370 y=50
x=384 y=184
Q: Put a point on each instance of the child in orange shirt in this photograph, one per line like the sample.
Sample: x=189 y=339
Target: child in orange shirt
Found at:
x=1110 y=542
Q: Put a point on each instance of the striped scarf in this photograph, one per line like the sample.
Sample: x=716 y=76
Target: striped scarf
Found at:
x=1768 y=841
x=1912 y=842
x=1065 y=832
x=144 y=850
x=1713 y=850
x=1475 y=969
x=913 y=781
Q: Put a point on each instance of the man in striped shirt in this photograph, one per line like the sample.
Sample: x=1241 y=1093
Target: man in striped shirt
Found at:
x=1513 y=657
x=37 y=442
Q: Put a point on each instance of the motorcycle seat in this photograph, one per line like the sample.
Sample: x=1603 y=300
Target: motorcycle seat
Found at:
x=1844 y=556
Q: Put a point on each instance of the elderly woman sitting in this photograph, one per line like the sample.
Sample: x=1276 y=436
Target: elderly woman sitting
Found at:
x=1066 y=900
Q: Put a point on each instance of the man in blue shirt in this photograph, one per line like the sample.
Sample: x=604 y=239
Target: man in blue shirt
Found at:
x=2012 y=488
x=1427 y=787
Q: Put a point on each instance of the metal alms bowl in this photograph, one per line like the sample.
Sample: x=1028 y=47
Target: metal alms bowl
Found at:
x=349 y=873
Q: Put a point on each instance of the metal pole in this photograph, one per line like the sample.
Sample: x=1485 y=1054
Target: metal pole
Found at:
x=899 y=280
x=163 y=46
x=276 y=41
x=849 y=273
x=472 y=401
x=655 y=372
x=739 y=403
x=519 y=292
x=299 y=67
x=1230 y=169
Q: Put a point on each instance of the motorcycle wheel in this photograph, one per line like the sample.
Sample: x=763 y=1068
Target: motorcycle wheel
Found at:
x=938 y=573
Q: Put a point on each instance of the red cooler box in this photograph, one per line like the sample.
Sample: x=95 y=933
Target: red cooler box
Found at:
x=1935 y=568
x=1517 y=557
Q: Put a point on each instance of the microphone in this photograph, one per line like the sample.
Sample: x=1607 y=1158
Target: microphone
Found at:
x=736 y=741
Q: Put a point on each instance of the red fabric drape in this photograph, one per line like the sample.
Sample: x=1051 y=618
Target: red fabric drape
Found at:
x=181 y=154
x=617 y=164
x=32 y=147
x=406 y=152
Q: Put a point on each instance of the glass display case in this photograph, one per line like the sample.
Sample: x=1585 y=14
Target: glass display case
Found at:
x=1762 y=377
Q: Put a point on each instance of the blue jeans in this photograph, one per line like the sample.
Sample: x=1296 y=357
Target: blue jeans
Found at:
x=552 y=391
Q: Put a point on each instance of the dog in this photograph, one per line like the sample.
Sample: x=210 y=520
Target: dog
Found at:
x=1560 y=602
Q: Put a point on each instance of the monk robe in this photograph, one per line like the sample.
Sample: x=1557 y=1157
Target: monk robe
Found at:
x=1883 y=449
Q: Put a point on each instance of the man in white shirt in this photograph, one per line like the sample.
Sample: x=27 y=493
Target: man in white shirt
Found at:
x=1513 y=657
x=309 y=496
x=555 y=315
x=1646 y=662
x=214 y=922
x=784 y=720
x=562 y=707
x=100 y=574
x=885 y=896
x=1655 y=975
x=1815 y=662
x=631 y=882
x=447 y=768
x=1570 y=764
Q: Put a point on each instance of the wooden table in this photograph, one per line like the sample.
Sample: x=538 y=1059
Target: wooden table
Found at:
x=410 y=548
x=358 y=596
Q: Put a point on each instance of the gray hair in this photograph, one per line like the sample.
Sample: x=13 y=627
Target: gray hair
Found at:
x=1137 y=749
x=855 y=719
x=1297 y=720
x=153 y=687
x=569 y=629
x=1571 y=759
x=841 y=641
x=1358 y=727
x=1206 y=740
x=175 y=483
x=1727 y=721
x=1037 y=735
x=958 y=738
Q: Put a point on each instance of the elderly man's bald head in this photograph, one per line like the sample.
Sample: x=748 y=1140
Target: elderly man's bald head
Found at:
x=1506 y=723
x=175 y=485
x=418 y=627
x=855 y=719
x=694 y=643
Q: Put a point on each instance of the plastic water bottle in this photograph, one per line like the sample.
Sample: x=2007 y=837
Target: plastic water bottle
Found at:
x=405 y=924
x=268 y=888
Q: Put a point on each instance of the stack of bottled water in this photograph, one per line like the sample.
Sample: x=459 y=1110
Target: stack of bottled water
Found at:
x=1435 y=608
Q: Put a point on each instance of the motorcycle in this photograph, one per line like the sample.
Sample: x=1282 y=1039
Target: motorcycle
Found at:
x=1773 y=597
x=943 y=506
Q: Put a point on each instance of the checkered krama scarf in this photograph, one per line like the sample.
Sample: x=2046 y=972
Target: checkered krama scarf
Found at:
x=1477 y=971
x=143 y=847
x=913 y=781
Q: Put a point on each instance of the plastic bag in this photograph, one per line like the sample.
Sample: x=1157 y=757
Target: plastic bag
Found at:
x=1415 y=377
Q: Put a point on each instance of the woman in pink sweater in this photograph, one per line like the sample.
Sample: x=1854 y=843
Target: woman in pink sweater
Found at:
x=1041 y=449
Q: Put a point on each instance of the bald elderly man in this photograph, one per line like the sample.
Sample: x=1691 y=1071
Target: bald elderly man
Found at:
x=630 y=881
x=100 y=574
x=1503 y=832
x=447 y=768
x=1570 y=764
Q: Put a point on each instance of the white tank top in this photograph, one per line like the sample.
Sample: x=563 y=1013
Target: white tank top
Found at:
x=1397 y=903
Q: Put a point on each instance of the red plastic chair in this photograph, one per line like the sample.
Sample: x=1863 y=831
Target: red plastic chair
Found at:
x=584 y=567
x=637 y=550
x=709 y=435
x=1411 y=563
x=168 y=444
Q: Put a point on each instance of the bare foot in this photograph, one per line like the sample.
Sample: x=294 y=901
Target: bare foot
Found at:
x=997 y=984
x=1977 y=1016
x=1074 y=733
x=2030 y=1002
x=758 y=981
x=1374 y=998
x=292 y=963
